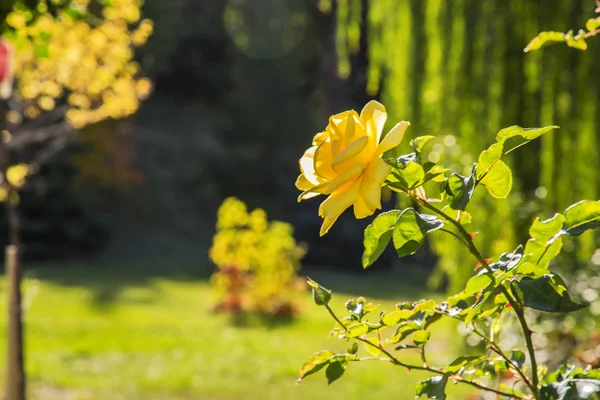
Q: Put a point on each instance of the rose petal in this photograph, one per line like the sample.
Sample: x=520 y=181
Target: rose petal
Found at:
x=303 y=184
x=336 y=204
x=393 y=138
x=320 y=137
x=351 y=151
x=372 y=180
x=349 y=175
x=312 y=192
x=322 y=161
x=307 y=166
x=361 y=210
x=373 y=117
x=349 y=133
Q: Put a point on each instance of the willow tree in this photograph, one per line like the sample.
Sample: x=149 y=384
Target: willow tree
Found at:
x=73 y=64
x=457 y=69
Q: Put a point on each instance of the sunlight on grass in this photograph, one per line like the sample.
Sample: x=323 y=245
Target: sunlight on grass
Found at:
x=160 y=341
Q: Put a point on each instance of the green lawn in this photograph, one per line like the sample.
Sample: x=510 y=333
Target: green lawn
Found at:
x=125 y=333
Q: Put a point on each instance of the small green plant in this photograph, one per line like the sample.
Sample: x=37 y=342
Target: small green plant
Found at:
x=577 y=41
x=349 y=162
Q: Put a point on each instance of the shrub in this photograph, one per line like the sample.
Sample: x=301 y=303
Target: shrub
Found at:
x=256 y=261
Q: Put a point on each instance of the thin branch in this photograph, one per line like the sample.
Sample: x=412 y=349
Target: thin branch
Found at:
x=424 y=357
x=55 y=146
x=395 y=361
x=516 y=305
x=455 y=235
x=26 y=138
x=496 y=349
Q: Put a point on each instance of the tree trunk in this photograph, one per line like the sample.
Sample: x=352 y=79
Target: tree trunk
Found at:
x=15 y=372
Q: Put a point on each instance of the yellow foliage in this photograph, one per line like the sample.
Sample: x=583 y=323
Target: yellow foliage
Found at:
x=16 y=174
x=257 y=261
x=91 y=62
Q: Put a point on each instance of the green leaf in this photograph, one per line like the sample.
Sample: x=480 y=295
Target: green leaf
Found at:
x=434 y=172
x=413 y=174
x=518 y=358
x=540 y=249
x=592 y=24
x=433 y=388
x=478 y=283
x=530 y=269
x=475 y=310
x=465 y=217
x=525 y=133
x=508 y=261
x=459 y=189
x=321 y=295
x=487 y=313
x=421 y=337
x=315 y=363
x=357 y=330
x=498 y=180
x=401 y=161
x=542 y=253
x=581 y=217
x=494 y=174
x=546 y=230
x=378 y=235
x=396 y=181
x=392 y=318
x=410 y=230
x=425 y=306
x=353 y=348
x=373 y=348
x=419 y=143
x=544 y=38
x=334 y=371
x=367 y=308
x=405 y=329
x=547 y=293
x=488 y=158
x=460 y=363
x=577 y=41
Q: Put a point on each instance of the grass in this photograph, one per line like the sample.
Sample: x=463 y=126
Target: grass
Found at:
x=124 y=332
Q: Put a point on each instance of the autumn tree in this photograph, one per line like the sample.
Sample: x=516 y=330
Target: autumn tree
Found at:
x=73 y=65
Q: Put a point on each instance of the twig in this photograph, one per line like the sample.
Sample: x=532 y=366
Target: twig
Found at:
x=25 y=138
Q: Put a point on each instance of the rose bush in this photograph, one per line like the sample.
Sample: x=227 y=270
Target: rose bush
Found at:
x=347 y=162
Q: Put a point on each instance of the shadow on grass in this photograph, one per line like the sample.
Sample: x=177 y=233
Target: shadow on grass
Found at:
x=107 y=276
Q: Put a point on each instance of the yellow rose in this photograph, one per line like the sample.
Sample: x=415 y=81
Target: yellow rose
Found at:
x=345 y=163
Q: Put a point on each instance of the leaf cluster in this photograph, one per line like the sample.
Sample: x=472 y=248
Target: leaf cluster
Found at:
x=510 y=284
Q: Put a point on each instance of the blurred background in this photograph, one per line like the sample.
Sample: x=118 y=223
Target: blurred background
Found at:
x=117 y=223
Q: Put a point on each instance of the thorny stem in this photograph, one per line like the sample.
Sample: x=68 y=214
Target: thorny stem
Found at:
x=496 y=349
x=516 y=304
x=426 y=368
